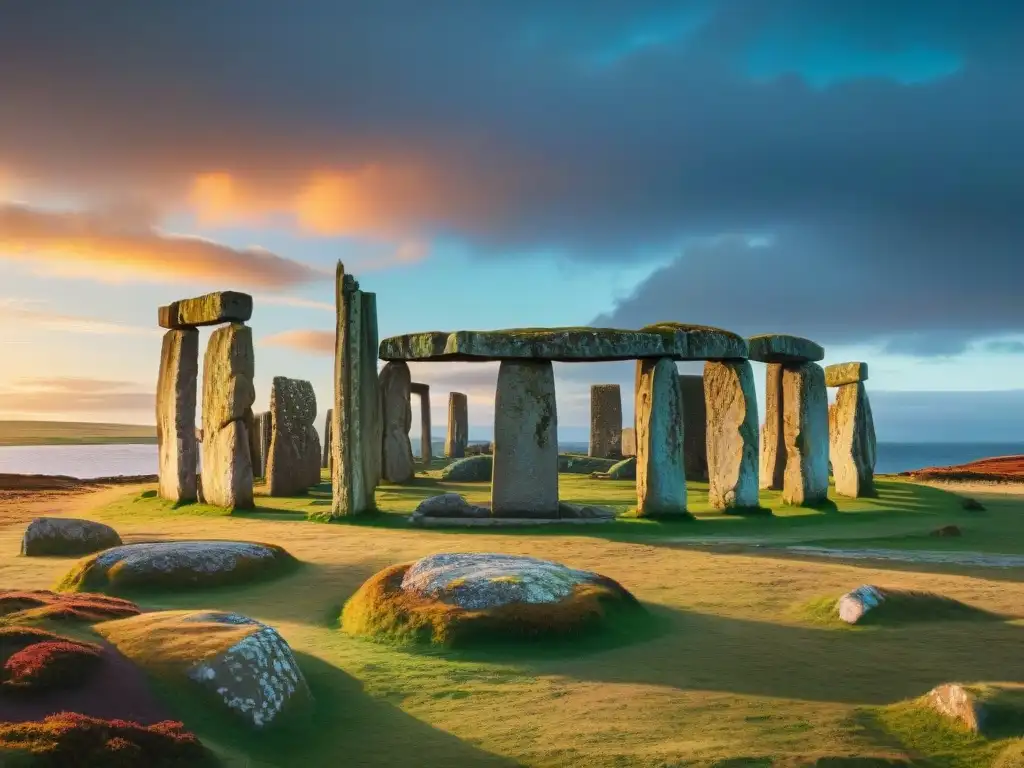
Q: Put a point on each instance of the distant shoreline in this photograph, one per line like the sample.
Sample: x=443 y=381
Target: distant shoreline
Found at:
x=23 y=434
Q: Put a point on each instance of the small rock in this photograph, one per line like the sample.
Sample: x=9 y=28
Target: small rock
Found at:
x=959 y=704
x=972 y=505
x=67 y=536
x=947 y=530
x=854 y=605
x=449 y=505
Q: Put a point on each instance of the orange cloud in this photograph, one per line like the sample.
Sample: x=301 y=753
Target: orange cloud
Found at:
x=314 y=342
x=115 y=247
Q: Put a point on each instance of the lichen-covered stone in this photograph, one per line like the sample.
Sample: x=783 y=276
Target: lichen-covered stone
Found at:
x=732 y=435
x=700 y=342
x=695 y=427
x=628 y=442
x=852 y=448
x=605 y=421
x=397 y=462
x=853 y=606
x=449 y=505
x=773 y=437
x=783 y=348
x=524 y=482
x=959 y=704
x=372 y=428
x=457 y=437
x=660 y=471
x=426 y=437
x=242 y=663
x=326 y=461
x=228 y=395
x=805 y=426
x=175 y=565
x=66 y=536
x=845 y=373
x=294 y=462
x=177 y=448
x=210 y=309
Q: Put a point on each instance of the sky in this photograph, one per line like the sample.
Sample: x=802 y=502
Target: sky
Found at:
x=849 y=171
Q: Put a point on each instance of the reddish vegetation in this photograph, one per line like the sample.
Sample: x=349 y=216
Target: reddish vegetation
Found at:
x=43 y=604
x=69 y=739
x=998 y=469
x=50 y=664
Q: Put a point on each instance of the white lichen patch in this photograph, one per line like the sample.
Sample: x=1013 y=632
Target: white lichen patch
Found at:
x=196 y=556
x=853 y=605
x=478 y=581
x=257 y=677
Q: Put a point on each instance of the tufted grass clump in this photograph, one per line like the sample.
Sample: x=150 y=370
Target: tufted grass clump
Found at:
x=382 y=611
x=70 y=739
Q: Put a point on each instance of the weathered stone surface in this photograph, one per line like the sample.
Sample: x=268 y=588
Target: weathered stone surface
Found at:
x=773 y=438
x=66 y=536
x=700 y=342
x=326 y=461
x=397 y=461
x=458 y=426
x=695 y=427
x=426 y=441
x=353 y=490
x=243 y=663
x=525 y=478
x=449 y=505
x=628 y=442
x=175 y=565
x=853 y=606
x=732 y=435
x=471 y=469
x=845 y=373
x=660 y=470
x=178 y=450
x=264 y=427
x=605 y=421
x=959 y=704
x=852 y=442
x=211 y=309
x=805 y=425
x=783 y=348
x=294 y=463
x=676 y=340
x=372 y=417
x=228 y=396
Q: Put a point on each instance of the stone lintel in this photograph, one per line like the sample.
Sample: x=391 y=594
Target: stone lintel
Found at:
x=845 y=373
x=210 y=309
x=783 y=348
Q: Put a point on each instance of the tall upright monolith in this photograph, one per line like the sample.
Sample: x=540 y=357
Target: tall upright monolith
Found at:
x=852 y=446
x=605 y=421
x=373 y=426
x=695 y=426
x=805 y=427
x=732 y=435
x=660 y=468
x=176 y=415
x=397 y=465
x=457 y=437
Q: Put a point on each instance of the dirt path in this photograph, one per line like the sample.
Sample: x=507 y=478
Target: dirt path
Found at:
x=20 y=504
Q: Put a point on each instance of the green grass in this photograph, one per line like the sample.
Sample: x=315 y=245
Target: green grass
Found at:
x=15 y=433
x=899 y=607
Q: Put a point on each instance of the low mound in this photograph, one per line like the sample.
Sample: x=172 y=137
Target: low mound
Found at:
x=584 y=465
x=472 y=469
x=244 y=664
x=869 y=604
x=34 y=660
x=998 y=469
x=176 y=565
x=29 y=606
x=623 y=470
x=992 y=709
x=67 y=536
x=70 y=739
x=455 y=600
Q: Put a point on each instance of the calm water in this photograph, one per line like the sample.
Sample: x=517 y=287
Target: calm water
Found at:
x=88 y=461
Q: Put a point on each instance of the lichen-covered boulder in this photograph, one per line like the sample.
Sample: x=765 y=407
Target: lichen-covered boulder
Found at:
x=461 y=598
x=448 y=505
x=873 y=604
x=67 y=536
x=472 y=469
x=176 y=565
x=241 y=662
x=855 y=604
x=978 y=707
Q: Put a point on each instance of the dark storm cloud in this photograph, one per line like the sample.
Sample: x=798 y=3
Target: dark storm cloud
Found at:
x=599 y=130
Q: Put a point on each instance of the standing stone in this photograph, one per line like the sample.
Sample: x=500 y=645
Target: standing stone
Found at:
x=606 y=421
x=458 y=426
x=660 y=467
x=397 y=461
x=805 y=426
x=228 y=396
x=352 y=490
x=373 y=425
x=773 y=442
x=629 y=441
x=852 y=441
x=695 y=426
x=524 y=479
x=176 y=415
x=732 y=434
x=294 y=461
x=264 y=428
x=426 y=445
x=252 y=427
x=326 y=461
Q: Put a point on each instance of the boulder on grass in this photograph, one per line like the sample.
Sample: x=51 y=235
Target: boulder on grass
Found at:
x=67 y=536
x=242 y=663
x=176 y=565
x=978 y=707
x=472 y=469
x=870 y=604
x=460 y=599
x=448 y=505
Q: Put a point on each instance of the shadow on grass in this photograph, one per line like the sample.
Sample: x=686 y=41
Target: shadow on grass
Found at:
x=344 y=726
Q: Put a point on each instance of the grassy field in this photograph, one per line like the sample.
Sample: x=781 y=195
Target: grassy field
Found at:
x=73 y=433
x=737 y=670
